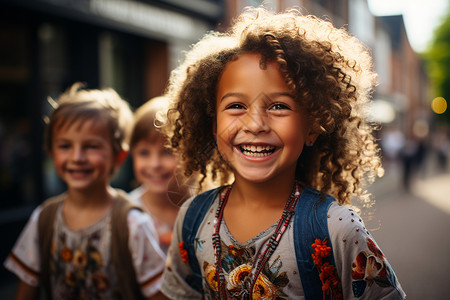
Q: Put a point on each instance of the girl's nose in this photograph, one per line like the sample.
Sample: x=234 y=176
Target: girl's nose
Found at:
x=154 y=161
x=255 y=121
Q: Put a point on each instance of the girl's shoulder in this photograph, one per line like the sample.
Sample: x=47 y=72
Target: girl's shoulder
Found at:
x=344 y=221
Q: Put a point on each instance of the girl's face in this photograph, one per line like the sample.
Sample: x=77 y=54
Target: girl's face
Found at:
x=154 y=165
x=260 y=129
x=83 y=155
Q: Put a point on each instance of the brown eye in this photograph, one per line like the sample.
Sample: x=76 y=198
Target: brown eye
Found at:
x=279 y=106
x=143 y=152
x=235 y=106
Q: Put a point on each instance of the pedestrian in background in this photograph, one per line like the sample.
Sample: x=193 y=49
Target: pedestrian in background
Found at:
x=280 y=99
x=89 y=242
x=155 y=167
x=409 y=161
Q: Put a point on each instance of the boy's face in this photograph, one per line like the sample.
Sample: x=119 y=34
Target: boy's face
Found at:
x=83 y=155
x=260 y=128
x=154 y=165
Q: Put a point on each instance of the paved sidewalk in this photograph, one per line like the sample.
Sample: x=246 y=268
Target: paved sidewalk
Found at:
x=435 y=190
x=412 y=230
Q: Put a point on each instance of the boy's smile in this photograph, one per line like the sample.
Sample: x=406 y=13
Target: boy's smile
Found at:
x=260 y=128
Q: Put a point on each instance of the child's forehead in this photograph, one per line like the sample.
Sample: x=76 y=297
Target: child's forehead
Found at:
x=247 y=70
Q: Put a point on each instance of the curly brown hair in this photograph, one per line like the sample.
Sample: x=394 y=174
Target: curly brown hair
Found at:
x=330 y=73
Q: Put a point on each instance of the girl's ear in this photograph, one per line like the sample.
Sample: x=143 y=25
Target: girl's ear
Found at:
x=311 y=138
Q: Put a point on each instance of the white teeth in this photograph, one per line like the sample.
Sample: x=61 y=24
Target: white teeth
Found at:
x=257 y=151
x=256 y=154
x=257 y=148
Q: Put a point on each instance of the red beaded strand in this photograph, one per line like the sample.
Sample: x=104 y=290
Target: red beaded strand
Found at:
x=262 y=259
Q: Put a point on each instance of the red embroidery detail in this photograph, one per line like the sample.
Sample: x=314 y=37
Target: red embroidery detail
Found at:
x=183 y=253
x=327 y=273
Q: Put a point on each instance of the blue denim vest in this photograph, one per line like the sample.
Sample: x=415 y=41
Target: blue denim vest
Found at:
x=310 y=223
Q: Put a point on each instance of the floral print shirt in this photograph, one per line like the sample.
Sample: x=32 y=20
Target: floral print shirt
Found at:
x=80 y=264
x=363 y=270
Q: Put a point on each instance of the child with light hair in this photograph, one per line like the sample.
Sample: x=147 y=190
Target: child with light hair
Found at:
x=91 y=241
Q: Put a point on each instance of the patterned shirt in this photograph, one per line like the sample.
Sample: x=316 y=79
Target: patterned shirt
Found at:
x=361 y=266
x=80 y=264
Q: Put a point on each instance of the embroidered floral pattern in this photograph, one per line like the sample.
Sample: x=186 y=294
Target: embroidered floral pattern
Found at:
x=331 y=285
x=237 y=266
x=370 y=267
x=211 y=276
x=80 y=270
x=66 y=254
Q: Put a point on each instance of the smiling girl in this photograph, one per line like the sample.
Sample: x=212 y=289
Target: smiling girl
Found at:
x=275 y=105
x=155 y=167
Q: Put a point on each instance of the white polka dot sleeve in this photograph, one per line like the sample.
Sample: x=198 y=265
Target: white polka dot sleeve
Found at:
x=361 y=266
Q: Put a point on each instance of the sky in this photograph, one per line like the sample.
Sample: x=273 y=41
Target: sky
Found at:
x=421 y=17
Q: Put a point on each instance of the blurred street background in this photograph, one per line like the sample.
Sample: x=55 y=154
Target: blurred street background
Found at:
x=132 y=45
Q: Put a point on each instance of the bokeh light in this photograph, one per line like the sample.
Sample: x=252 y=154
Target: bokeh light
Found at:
x=421 y=128
x=439 y=105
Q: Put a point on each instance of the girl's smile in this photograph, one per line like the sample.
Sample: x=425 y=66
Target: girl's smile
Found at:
x=260 y=128
x=252 y=150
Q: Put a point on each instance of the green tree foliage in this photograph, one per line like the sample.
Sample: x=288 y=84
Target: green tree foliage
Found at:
x=437 y=57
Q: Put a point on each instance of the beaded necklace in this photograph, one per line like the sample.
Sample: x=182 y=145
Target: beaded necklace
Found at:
x=264 y=257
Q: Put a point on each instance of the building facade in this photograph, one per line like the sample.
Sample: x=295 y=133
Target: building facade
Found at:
x=47 y=45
